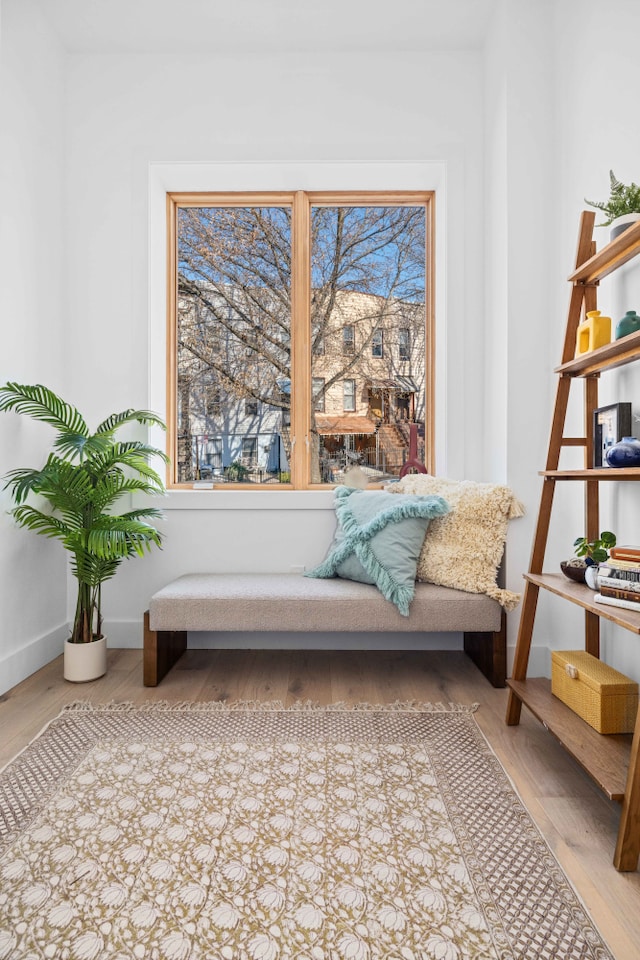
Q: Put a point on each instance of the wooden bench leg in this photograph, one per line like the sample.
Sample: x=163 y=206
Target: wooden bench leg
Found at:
x=489 y=652
x=162 y=648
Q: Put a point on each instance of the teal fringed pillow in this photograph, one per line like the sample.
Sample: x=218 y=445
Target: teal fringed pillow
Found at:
x=378 y=540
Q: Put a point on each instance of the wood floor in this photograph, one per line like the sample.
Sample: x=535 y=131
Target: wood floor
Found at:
x=577 y=821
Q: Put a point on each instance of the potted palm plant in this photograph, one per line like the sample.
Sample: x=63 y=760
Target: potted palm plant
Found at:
x=84 y=477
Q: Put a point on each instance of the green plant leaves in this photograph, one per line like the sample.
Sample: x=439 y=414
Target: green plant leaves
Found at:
x=42 y=404
x=595 y=551
x=623 y=199
x=82 y=481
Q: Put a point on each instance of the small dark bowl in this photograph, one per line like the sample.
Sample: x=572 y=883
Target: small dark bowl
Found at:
x=573 y=572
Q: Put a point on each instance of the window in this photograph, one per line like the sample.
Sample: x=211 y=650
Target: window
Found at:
x=280 y=305
x=348 y=339
x=404 y=344
x=317 y=393
x=249 y=450
x=349 y=395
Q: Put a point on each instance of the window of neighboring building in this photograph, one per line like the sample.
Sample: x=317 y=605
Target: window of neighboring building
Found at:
x=348 y=339
x=317 y=392
x=404 y=343
x=281 y=304
x=250 y=450
x=349 y=395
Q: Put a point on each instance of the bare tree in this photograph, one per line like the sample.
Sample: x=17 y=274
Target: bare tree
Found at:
x=234 y=295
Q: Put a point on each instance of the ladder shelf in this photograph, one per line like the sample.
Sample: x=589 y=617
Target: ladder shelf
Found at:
x=612 y=761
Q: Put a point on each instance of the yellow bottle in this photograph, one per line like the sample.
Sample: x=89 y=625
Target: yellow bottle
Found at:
x=593 y=332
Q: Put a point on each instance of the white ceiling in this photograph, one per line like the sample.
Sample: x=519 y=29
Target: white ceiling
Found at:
x=266 y=26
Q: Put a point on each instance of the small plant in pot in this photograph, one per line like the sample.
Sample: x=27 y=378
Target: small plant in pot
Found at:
x=588 y=554
x=622 y=209
x=82 y=480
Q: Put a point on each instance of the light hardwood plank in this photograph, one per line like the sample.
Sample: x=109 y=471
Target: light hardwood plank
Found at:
x=578 y=822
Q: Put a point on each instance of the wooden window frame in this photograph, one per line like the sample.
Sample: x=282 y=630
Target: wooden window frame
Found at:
x=301 y=203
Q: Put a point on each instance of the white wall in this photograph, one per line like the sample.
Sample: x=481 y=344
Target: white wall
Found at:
x=519 y=171
x=554 y=127
x=513 y=142
x=596 y=129
x=137 y=126
x=32 y=570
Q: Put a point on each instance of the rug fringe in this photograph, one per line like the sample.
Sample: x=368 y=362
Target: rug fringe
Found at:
x=235 y=706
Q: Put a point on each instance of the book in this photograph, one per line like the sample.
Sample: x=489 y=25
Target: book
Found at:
x=632 y=595
x=615 y=602
x=622 y=564
x=626 y=552
x=618 y=583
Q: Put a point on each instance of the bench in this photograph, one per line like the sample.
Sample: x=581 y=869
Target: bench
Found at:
x=291 y=602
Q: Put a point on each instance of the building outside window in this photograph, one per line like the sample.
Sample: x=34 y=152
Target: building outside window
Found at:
x=277 y=346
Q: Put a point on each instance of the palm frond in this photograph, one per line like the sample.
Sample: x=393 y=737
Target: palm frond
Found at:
x=134 y=455
x=145 y=417
x=40 y=403
x=144 y=513
x=118 y=537
x=109 y=489
x=89 y=569
x=33 y=519
x=22 y=482
x=77 y=445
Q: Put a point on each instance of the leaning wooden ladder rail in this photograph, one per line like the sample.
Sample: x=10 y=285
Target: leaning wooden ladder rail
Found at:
x=605 y=758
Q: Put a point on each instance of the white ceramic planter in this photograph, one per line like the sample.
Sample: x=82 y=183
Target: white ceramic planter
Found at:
x=620 y=224
x=85 y=661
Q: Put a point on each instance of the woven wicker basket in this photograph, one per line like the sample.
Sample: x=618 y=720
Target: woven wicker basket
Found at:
x=602 y=696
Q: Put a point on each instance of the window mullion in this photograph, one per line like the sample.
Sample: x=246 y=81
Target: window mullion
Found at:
x=300 y=340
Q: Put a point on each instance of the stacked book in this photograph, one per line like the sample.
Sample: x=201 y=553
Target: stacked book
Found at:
x=618 y=579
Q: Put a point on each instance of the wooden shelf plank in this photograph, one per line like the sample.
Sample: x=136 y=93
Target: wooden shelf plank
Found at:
x=581 y=595
x=604 y=757
x=609 y=258
x=598 y=473
x=614 y=354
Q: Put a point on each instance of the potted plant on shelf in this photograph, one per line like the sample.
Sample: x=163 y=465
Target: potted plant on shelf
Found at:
x=588 y=554
x=84 y=477
x=622 y=208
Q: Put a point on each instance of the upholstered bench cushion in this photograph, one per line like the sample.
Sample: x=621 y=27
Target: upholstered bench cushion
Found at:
x=291 y=602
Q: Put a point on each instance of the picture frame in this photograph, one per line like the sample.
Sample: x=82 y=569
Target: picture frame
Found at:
x=610 y=424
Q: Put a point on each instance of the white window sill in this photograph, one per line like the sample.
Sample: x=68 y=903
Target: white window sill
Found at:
x=245 y=500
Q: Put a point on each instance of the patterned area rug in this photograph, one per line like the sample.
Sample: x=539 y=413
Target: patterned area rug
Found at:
x=260 y=833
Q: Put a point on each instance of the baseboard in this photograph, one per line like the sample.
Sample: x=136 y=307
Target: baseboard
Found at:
x=539 y=662
x=20 y=664
x=128 y=634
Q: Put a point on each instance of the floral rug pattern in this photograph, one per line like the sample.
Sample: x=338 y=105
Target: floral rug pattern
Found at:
x=194 y=831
